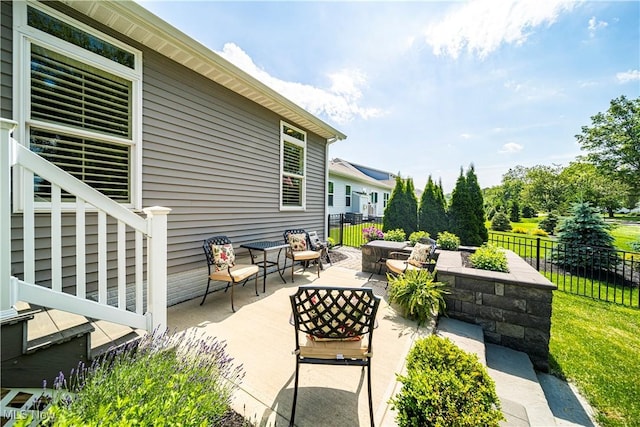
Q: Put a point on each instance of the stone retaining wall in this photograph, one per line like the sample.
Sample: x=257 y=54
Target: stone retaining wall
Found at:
x=514 y=309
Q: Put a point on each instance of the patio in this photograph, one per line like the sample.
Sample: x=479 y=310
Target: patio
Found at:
x=260 y=337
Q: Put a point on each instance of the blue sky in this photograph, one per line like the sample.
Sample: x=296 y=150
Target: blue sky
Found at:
x=425 y=88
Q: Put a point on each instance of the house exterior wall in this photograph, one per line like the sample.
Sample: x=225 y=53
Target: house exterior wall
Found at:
x=358 y=204
x=209 y=154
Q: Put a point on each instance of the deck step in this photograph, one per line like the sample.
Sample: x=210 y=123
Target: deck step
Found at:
x=39 y=343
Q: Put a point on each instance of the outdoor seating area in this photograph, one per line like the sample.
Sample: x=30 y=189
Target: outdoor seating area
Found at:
x=260 y=336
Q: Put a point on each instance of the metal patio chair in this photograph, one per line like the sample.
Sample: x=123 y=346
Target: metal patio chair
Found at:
x=420 y=257
x=300 y=249
x=226 y=270
x=333 y=326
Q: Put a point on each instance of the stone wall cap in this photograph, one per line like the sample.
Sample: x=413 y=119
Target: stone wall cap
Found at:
x=450 y=262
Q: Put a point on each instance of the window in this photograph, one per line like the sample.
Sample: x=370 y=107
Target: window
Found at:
x=385 y=199
x=293 y=153
x=81 y=92
x=374 y=197
x=347 y=201
x=330 y=194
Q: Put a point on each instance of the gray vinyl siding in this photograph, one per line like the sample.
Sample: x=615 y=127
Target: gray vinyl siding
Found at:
x=210 y=155
x=6 y=48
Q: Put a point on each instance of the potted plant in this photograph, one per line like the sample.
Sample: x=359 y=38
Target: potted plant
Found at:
x=417 y=293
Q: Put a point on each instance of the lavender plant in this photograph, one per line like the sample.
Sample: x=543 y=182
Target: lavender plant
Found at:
x=171 y=379
x=372 y=233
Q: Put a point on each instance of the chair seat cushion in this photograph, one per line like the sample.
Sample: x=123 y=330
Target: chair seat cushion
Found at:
x=331 y=349
x=304 y=255
x=399 y=266
x=238 y=271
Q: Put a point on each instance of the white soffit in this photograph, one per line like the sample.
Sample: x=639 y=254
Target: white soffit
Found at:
x=137 y=23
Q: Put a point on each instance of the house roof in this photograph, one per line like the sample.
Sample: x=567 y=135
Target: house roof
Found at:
x=137 y=23
x=345 y=169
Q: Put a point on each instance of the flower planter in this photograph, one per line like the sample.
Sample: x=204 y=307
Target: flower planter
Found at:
x=514 y=308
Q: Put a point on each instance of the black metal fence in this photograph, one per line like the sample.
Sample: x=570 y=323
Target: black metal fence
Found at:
x=599 y=273
x=346 y=229
x=596 y=272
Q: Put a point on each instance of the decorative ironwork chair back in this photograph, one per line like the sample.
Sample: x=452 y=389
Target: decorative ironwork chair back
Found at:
x=206 y=246
x=335 y=313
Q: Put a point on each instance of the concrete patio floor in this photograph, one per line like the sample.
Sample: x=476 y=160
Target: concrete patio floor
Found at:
x=259 y=337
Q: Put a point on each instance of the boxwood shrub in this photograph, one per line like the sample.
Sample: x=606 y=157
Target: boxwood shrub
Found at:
x=445 y=386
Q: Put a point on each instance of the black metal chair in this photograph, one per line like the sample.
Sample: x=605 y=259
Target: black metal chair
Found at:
x=337 y=326
x=305 y=255
x=231 y=273
x=319 y=246
x=399 y=262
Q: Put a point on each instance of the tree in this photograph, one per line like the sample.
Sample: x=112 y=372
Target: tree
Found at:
x=395 y=207
x=585 y=183
x=584 y=241
x=500 y=222
x=543 y=189
x=514 y=212
x=477 y=205
x=411 y=220
x=432 y=216
x=462 y=214
x=613 y=142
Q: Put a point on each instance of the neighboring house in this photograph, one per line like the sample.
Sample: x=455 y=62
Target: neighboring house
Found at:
x=150 y=117
x=358 y=189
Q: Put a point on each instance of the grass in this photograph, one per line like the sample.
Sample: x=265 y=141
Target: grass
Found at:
x=597 y=344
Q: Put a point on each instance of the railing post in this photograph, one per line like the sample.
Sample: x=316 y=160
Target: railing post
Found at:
x=6 y=154
x=157 y=266
x=538 y=254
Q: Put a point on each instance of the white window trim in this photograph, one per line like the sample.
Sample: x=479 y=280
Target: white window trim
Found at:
x=288 y=138
x=23 y=37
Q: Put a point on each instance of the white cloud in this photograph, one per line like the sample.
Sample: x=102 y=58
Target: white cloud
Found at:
x=595 y=25
x=482 y=26
x=628 y=76
x=465 y=135
x=340 y=102
x=511 y=147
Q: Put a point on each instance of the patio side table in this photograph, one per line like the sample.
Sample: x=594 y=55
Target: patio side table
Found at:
x=266 y=246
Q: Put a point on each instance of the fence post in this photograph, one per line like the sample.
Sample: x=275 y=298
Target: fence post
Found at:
x=6 y=151
x=341 y=229
x=157 y=266
x=538 y=254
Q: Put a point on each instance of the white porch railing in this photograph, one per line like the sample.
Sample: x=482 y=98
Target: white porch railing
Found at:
x=154 y=228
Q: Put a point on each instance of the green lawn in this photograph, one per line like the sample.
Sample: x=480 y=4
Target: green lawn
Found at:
x=597 y=345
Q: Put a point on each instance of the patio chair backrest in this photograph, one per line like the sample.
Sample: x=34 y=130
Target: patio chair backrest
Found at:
x=327 y=312
x=296 y=231
x=206 y=246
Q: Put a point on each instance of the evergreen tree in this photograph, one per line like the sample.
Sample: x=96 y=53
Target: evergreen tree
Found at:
x=528 y=212
x=477 y=208
x=440 y=219
x=584 y=241
x=411 y=218
x=500 y=222
x=462 y=221
x=427 y=208
x=514 y=212
x=395 y=207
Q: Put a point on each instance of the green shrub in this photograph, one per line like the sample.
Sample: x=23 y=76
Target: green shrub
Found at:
x=417 y=294
x=500 y=222
x=520 y=230
x=179 y=379
x=539 y=232
x=489 y=257
x=397 y=235
x=418 y=237
x=448 y=241
x=445 y=386
x=528 y=212
x=330 y=242
x=550 y=223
